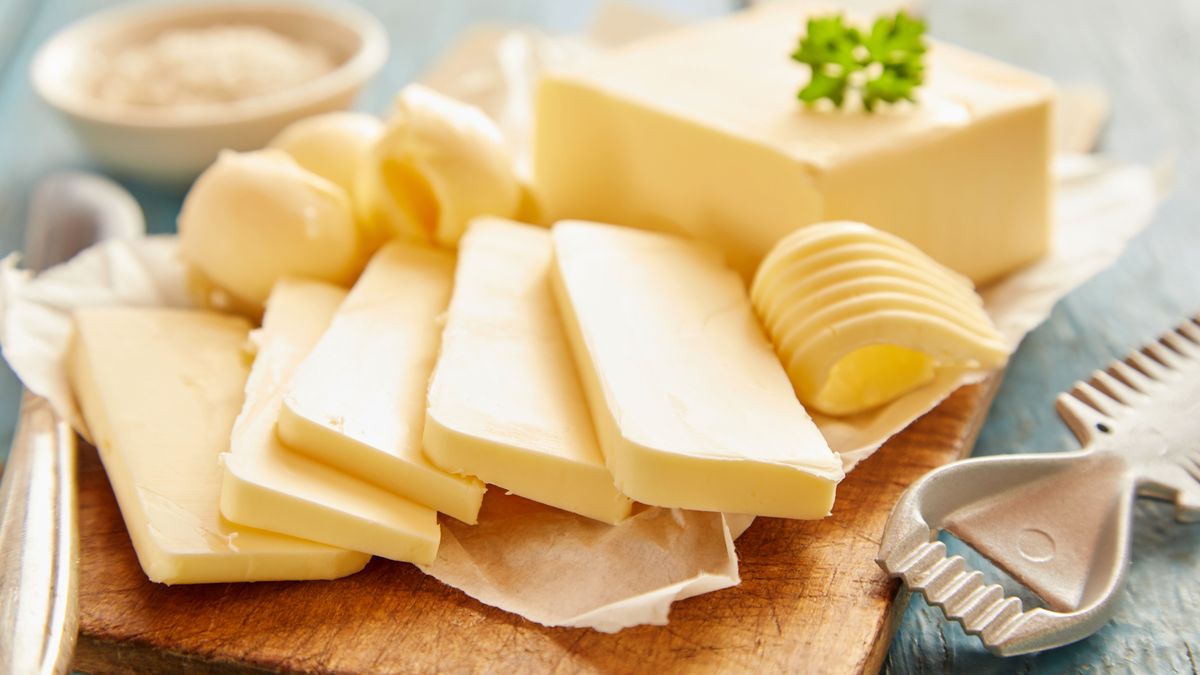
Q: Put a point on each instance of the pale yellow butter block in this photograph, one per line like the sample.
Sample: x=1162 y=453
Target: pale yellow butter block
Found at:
x=357 y=401
x=266 y=485
x=505 y=402
x=692 y=407
x=699 y=131
x=159 y=389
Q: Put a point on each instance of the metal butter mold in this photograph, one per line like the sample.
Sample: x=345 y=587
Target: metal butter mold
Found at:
x=1059 y=523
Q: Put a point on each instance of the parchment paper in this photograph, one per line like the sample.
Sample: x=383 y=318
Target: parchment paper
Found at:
x=546 y=565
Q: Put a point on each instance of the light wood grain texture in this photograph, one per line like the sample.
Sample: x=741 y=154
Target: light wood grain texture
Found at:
x=812 y=598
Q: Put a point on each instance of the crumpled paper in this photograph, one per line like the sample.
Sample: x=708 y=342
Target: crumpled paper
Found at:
x=549 y=566
x=560 y=569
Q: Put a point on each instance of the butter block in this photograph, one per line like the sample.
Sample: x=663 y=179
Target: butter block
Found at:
x=159 y=389
x=699 y=132
x=505 y=402
x=357 y=401
x=691 y=406
x=268 y=486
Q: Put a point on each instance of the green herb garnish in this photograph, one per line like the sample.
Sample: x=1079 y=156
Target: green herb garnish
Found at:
x=884 y=65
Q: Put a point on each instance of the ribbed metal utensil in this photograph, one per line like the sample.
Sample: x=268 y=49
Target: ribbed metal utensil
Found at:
x=1059 y=523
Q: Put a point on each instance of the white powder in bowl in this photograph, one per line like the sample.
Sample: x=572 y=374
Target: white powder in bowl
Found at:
x=206 y=66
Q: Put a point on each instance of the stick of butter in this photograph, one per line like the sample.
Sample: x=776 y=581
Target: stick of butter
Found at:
x=268 y=486
x=505 y=402
x=692 y=407
x=357 y=402
x=159 y=389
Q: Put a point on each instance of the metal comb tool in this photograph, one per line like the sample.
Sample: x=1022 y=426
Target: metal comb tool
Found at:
x=1059 y=523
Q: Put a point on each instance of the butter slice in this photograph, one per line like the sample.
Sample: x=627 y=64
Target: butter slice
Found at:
x=268 y=486
x=505 y=402
x=159 y=389
x=357 y=401
x=698 y=131
x=692 y=408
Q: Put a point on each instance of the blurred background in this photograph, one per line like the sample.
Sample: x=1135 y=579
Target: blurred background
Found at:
x=1144 y=55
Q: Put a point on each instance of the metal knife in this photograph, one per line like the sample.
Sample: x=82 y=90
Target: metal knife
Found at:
x=39 y=540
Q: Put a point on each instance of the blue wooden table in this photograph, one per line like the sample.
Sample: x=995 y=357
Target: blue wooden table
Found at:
x=1144 y=54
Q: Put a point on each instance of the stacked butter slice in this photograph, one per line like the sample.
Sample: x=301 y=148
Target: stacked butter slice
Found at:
x=505 y=403
x=585 y=367
x=160 y=389
x=860 y=317
x=266 y=485
x=692 y=408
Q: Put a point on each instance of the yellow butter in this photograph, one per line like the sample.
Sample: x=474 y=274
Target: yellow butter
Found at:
x=332 y=145
x=254 y=217
x=438 y=164
x=860 y=317
x=160 y=389
x=357 y=401
x=268 y=486
x=505 y=402
x=690 y=403
x=698 y=131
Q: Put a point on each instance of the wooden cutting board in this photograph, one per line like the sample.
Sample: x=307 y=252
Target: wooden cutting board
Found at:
x=812 y=598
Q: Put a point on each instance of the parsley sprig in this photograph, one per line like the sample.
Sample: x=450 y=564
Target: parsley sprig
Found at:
x=884 y=65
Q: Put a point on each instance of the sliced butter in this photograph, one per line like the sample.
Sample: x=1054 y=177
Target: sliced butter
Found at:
x=266 y=485
x=357 y=401
x=505 y=402
x=690 y=403
x=860 y=317
x=160 y=389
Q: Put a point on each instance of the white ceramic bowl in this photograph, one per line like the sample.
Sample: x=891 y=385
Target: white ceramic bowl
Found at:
x=171 y=147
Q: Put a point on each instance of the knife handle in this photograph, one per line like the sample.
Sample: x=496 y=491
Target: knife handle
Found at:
x=39 y=545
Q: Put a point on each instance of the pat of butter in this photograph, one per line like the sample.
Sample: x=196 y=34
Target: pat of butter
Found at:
x=160 y=389
x=268 y=486
x=357 y=402
x=698 y=131
x=692 y=408
x=860 y=317
x=438 y=164
x=505 y=402
x=333 y=145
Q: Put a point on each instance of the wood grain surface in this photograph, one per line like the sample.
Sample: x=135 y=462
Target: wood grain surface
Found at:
x=812 y=598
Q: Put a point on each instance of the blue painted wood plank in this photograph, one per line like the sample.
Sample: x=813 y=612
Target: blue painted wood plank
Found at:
x=1138 y=52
